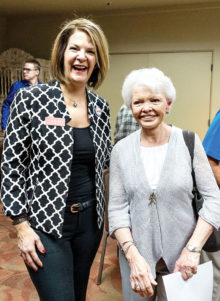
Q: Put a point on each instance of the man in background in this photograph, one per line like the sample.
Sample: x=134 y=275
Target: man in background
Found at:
x=31 y=71
x=211 y=145
x=125 y=124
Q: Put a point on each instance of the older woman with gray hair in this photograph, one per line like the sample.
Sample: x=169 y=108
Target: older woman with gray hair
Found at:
x=150 y=208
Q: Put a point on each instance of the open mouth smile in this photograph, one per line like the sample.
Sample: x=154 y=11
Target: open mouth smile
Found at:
x=79 y=68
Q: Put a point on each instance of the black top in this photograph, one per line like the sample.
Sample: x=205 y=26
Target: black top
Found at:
x=82 y=179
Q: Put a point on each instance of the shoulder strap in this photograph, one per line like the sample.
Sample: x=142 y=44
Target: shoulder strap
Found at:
x=189 y=138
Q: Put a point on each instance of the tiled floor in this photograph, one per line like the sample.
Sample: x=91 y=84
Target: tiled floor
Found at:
x=15 y=284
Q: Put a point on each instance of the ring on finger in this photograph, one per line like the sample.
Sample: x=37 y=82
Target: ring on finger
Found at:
x=189 y=273
x=137 y=286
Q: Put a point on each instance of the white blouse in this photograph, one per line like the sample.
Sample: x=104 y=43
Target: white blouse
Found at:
x=153 y=159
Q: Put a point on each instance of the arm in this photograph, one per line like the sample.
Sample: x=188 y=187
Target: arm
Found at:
x=6 y=105
x=209 y=215
x=119 y=225
x=15 y=158
x=207 y=186
x=215 y=165
x=14 y=166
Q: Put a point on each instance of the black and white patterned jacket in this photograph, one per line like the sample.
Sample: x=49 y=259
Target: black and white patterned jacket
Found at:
x=37 y=158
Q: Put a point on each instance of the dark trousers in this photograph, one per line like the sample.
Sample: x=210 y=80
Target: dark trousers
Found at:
x=67 y=263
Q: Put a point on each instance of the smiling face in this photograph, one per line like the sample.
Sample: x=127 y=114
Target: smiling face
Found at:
x=79 y=58
x=149 y=108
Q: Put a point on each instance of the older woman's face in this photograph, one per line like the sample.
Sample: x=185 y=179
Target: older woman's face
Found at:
x=79 y=58
x=149 y=108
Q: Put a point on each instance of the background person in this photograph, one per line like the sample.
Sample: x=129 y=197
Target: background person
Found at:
x=31 y=71
x=151 y=192
x=56 y=147
x=211 y=145
x=125 y=124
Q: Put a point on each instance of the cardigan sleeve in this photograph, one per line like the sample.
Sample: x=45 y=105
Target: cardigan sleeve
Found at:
x=206 y=185
x=118 y=210
x=15 y=158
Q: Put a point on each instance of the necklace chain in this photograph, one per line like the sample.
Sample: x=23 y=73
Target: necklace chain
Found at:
x=74 y=103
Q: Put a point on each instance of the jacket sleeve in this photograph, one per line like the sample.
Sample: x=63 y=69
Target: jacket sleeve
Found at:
x=118 y=209
x=15 y=159
x=108 y=138
x=206 y=185
x=7 y=103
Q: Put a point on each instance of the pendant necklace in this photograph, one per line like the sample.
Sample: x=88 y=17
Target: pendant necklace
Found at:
x=75 y=104
x=152 y=199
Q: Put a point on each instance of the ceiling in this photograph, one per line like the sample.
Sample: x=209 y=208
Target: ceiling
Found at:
x=25 y=7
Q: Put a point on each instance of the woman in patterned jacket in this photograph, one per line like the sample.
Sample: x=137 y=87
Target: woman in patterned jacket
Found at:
x=56 y=147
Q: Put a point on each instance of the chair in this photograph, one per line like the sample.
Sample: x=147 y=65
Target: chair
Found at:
x=106 y=228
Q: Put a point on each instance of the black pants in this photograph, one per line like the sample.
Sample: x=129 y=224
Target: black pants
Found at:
x=67 y=263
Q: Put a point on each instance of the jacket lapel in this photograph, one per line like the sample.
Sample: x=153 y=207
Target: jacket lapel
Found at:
x=61 y=107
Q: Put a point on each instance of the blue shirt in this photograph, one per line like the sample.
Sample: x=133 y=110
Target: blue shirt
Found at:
x=211 y=141
x=8 y=101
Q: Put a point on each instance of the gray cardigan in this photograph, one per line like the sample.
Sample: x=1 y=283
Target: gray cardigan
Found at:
x=163 y=228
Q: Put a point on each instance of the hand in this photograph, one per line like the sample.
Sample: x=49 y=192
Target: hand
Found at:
x=141 y=278
x=28 y=240
x=187 y=263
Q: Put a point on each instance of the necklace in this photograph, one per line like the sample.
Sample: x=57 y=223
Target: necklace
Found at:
x=74 y=103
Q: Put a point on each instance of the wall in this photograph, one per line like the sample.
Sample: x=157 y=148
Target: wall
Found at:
x=33 y=34
x=3 y=44
x=195 y=30
x=186 y=30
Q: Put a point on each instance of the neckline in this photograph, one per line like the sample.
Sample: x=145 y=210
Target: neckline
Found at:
x=157 y=146
x=81 y=128
x=144 y=179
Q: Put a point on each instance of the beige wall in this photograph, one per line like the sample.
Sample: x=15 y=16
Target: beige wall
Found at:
x=168 y=31
x=188 y=30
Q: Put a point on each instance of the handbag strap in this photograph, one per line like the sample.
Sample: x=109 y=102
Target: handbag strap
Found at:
x=189 y=138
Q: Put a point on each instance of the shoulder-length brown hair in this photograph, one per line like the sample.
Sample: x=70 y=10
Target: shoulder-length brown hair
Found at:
x=101 y=50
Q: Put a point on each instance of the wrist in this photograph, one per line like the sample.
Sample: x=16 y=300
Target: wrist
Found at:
x=19 y=219
x=23 y=226
x=132 y=254
x=193 y=248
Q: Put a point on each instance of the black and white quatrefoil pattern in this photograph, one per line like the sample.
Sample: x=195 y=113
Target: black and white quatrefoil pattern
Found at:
x=37 y=158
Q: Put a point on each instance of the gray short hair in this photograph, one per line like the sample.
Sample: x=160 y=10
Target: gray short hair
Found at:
x=152 y=78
